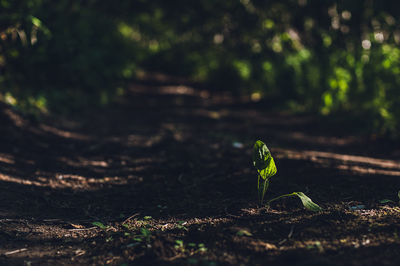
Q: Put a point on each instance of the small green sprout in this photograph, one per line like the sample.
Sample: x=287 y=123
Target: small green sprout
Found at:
x=144 y=236
x=181 y=225
x=266 y=168
x=201 y=247
x=179 y=245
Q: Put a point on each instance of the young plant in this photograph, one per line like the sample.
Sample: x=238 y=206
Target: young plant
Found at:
x=266 y=168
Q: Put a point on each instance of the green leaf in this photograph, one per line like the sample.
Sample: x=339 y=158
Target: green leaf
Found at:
x=99 y=224
x=263 y=161
x=386 y=201
x=35 y=21
x=39 y=24
x=398 y=194
x=145 y=232
x=244 y=232
x=307 y=202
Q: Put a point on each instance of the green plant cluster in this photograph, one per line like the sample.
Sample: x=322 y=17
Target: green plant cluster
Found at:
x=330 y=57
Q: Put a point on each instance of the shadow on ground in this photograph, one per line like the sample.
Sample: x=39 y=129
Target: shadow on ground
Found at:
x=167 y=171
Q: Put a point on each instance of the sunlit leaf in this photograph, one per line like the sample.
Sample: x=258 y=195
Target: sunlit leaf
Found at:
x=263 y=161
x=307 y=202
x=244 y=232
x=35 y=21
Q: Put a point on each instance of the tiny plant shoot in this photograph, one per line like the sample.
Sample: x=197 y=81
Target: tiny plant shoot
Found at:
x=266 y=168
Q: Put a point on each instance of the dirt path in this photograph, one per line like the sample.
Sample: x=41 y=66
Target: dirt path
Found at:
x=166 y=174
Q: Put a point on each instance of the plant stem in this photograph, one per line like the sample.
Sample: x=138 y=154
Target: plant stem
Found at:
x=265 y=187
x=281 y=196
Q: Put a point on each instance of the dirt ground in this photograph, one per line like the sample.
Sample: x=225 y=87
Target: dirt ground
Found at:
x=165 y=177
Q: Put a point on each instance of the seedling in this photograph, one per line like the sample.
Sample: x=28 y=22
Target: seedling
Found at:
x=179 y=245
x=181 y=225
x=144 y=236
x=266 y=168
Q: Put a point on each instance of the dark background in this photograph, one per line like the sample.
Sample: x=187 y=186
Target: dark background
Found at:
x=332 y=58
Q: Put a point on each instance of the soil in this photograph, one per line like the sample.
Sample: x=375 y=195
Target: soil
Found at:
x=165 y=177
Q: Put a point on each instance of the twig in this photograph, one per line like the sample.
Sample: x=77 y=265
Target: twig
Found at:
x=291 y=232
x=15 y=251
x=52 y=220
x=289 y=235
x=130 y=217
x=82 y=229
x=174 y=257
x=12 y=220
x=231 y=215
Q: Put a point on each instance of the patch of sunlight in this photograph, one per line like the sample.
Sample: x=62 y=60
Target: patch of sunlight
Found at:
x=350 y=59
x=268 y=24
x=256 y=96
x=327 y=40
x=366 y=44
x=129 y=71
x=63 y=133
x=178 y=90
x=354 y=163
x=214 y=115
x=243 y=67
x=5 y=158
x=328 y=102
x=11 y=179
x=129 y=32
x=8 y=98
x=218 y=38
x=39 y=102
x=267 y=66
x=309 y=23
x=276 y=44
x=154 y=46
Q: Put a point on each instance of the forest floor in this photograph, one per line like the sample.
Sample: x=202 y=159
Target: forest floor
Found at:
x=165 y=177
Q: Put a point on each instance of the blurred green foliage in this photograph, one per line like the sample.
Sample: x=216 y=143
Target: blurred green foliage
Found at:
x=59 y=55
x=330 y=57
